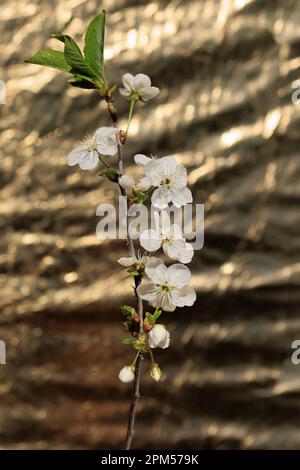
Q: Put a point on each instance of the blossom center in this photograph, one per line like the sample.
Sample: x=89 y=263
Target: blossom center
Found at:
x=165 y=288
x=166 y=182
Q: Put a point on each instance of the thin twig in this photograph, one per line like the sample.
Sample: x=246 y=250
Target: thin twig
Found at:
x=134 y=401
x=137 y=375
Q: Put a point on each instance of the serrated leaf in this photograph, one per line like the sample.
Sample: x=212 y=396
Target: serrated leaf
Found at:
x=50 y=58
x=94 y=44
x=128 y=341
x=74 y=57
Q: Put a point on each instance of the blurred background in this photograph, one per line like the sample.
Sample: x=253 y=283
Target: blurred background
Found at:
x=225 y=69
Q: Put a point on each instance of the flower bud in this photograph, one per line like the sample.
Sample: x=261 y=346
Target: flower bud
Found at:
x=127 y=183
x=122 y=137
x=126 y=374
x=155 y=372
x=159 y=337
x=128 y=311
x=147 y=325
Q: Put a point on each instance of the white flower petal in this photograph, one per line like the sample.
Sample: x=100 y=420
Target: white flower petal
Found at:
x=89 y=161
x=159 y=337
x=124 y=92
x=180 y=177
x=150 y=240
x=153 y=172
x=126 y=182
x=141 y=159
x=127 y=261
x=185 y=296
x=144 y=184
x=126 y=374
x=178 y=275
x=181 y=197
x=174 y=249
x=74 y=155
x=168 y=165
x=148 y=291
x=128 y=81
x=141 y=81
x=160 y=198
x=149 y=93
x=157 y=272
x=186 y=255
x=105 y=132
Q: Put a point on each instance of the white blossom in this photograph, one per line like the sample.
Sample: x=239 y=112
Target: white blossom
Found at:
x=155 y=372
x=169 y=236
x=141 y=159
x=139 y=86
x=86 y=155
x=170 y=179
x=127 y=183
x=139 y=261
x=159 y=337
x=143 y=184
x=167 y=288
x=126 y=374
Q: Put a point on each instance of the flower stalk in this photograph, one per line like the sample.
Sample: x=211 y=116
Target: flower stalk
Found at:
x=164 y=182
x=139 y=359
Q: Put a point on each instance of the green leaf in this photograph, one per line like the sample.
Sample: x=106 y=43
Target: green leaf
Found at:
x=94 y=44
x=128 y=341
x=81 y=81
x=50 y=58
x=74 y=57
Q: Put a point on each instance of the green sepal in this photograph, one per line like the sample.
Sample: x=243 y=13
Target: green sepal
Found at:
x=128 y=341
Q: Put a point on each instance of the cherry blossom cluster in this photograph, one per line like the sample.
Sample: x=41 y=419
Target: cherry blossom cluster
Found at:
x=163 y=182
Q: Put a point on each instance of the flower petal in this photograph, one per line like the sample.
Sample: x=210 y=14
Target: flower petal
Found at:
x=128 y=81
x=105 y=132
x=180 y=177
x=153 y=172
x=148 y=291
x=178 y=275
x=127 y=261
x=124 y=92
x=160 y=198
x=185 y=296
x=141 y=81
x=75 y=155
x=168 y=165
x=157 y=272
x=186 y=255
x=149 y=93
x=150 y=240
x=127 y=182
x=141 y=159
x=89 y=161
x=181 y=197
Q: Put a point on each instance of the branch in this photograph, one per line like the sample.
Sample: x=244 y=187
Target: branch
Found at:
x=137 y=375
